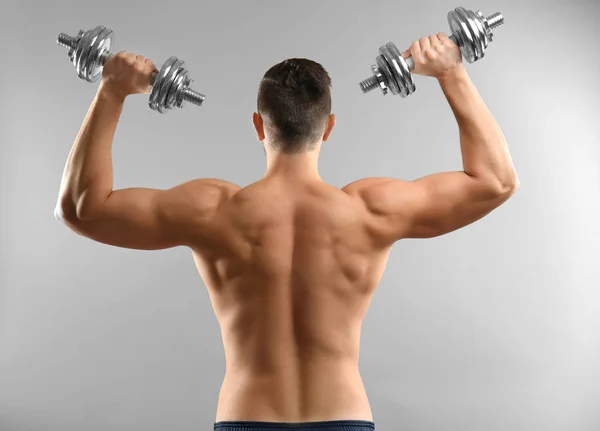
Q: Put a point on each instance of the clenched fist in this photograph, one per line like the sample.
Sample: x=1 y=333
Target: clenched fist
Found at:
x=126 y=73
x=435 y=56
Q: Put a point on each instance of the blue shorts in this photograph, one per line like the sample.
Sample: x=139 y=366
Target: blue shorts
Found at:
x=289 y=426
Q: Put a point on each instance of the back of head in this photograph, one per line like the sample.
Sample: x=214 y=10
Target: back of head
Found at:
x=294 y=100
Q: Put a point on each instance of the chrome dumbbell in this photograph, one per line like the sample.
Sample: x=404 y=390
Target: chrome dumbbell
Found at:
x=90 y=50
x=471 y=31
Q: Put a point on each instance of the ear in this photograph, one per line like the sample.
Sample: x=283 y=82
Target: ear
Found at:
x=329 y=128
x=259 y=126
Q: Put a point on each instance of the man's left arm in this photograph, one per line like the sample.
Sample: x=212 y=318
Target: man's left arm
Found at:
x=149 y=219
x=138 y=218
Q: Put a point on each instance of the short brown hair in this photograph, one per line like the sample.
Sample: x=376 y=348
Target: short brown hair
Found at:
x=294 y=98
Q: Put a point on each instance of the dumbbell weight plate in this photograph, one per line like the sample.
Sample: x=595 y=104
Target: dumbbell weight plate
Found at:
x=460 y=29
x=399 y=64
x=401 y=82
x=473 y=40
x=477 y=33
x=163 y=84
x=385 y=68
x=481 y=33
x=93 y=44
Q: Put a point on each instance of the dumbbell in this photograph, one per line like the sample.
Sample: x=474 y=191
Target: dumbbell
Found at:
x=471 y=31
x=90 y=50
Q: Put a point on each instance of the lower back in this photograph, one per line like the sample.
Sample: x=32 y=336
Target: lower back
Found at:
x=327 y=389
x=291 y=357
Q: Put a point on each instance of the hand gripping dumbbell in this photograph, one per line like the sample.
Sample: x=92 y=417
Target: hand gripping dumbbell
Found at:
x=471 y=31
x=90 y=50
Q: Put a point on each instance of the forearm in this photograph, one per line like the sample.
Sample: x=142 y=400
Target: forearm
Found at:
x=484 y=150
x=88 y=176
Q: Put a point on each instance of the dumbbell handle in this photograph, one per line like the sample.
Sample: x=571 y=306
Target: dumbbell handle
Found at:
x=411 y=62
x=108 y=55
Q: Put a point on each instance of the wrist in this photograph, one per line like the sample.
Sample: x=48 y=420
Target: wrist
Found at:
x=111 y=92
x=454 y=74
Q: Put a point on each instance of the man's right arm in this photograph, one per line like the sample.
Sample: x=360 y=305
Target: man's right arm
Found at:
x=441 y=203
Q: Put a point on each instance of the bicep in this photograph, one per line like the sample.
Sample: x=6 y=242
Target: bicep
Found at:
x=430 y=206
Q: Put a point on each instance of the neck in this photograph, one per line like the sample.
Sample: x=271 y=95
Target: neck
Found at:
x=302 y=166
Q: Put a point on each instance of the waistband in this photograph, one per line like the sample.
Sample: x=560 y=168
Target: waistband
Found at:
x=350 y=425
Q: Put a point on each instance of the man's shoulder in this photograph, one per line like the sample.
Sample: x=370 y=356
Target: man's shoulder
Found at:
x=225 y=188
x=358 y=187
x=200 y=196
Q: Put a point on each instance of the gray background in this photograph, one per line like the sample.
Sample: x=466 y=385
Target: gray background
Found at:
x=493 y=327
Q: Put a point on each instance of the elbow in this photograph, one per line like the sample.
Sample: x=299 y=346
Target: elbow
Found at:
x=66 y=211
x=59 y=214
x=71 y=210
x=509 y=185
x=513 y=183
x=502 y=187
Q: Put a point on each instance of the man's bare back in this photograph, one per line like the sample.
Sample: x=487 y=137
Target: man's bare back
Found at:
x=291 y=269
x=290 y=262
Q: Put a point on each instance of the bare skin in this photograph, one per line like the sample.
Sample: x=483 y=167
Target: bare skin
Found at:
x=290 y=262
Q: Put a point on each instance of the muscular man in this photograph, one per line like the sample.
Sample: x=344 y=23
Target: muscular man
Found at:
x=290 y=262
